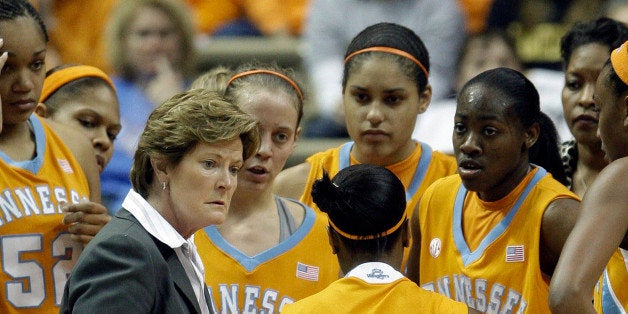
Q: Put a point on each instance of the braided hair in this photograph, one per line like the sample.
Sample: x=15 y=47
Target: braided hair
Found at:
x=12 y=9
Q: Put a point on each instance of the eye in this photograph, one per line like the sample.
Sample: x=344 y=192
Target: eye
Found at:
x=459 y=128
x=489 y=131
x=234 y=170
x=87 y=123
x=38 y=65
x=392 y=100
x=112 y=135
x=281 y=137
x=573 y=85
x=209 y=164
x=361 y=97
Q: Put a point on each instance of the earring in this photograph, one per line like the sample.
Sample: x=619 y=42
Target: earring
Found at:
x=163 y=185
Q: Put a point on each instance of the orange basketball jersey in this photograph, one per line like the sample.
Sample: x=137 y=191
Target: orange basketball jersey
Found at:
x=503 y=273
x=611 y=294
x=37 y=252
x=297 y=267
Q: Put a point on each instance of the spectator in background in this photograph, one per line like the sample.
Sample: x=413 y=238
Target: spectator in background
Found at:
x=76 y=30
x=331 y=25
x=538 y=25
x=584 y=49
x=151 y=49
x=249 y=17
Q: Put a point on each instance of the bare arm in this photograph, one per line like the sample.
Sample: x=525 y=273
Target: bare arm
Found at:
x=82 y=150
x=291 y=182
x=414 y=255
x=558 y=221
x=601 y=227
x=86 y=218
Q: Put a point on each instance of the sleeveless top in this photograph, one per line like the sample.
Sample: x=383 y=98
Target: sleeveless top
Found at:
x=37 y=251
x=503 y=273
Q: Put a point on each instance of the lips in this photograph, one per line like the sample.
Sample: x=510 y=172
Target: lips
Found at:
x=24 y=104
x=469 y=168
x=375 y=134
x=100 y=160
x=585 y=118
x=257 y=170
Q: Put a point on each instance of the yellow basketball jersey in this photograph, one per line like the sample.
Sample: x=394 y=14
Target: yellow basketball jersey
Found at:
x=611 y=294
x=298 y=267
x=375 y=288
x=503 y=274
x=37 y=253
x=416 y=172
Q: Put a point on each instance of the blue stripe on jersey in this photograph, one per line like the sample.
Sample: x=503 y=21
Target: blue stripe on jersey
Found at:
x=469 y=257
x=610 y=303
x=32 y=165
x=251 y=262
x=344 y=161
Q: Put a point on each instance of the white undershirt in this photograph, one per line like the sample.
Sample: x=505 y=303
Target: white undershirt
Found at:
x=158 y=227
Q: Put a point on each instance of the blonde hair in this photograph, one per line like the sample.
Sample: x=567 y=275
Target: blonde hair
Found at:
x=213 y=80
x=183 y=121
x=122 y=17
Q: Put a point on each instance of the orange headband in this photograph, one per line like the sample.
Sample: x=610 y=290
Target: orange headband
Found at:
x=390 y=50
x=63 y=76
x=369 y=237
x=285 y=78
x=619 y=60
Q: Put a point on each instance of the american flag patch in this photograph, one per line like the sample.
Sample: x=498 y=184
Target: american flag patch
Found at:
x=65 y=166
x=307 y=272
x=514 y=253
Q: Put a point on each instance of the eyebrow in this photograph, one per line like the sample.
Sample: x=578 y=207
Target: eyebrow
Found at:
x=12 y=54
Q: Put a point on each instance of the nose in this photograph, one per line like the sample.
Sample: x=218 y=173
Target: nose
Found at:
x=585 y=98
x=101 y=140
x=226 y=180
x=375 y=114
x=470 y=145
x=266 y=145
x=24 y=82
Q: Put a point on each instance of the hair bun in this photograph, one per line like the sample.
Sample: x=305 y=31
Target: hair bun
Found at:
x=325 y=193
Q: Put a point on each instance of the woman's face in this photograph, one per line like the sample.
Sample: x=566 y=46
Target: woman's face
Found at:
x=23 y=74
x=488 y=143
x=381 y=104
x=613 y=115
x=95 y=112
x=581 y=73
x=201 y=185
x=152 y=38
x=277 y=115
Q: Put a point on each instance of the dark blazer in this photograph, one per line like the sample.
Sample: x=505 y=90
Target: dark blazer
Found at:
x=126 y=270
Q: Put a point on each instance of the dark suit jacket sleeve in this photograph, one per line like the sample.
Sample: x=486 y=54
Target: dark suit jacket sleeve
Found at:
x=116 y=275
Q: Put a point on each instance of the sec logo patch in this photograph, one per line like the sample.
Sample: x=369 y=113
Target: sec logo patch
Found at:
x=435 y=246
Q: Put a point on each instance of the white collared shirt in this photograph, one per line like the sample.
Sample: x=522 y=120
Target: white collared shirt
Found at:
x=158 y=227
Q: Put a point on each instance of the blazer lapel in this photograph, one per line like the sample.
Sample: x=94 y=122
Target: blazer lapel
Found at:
x=181 y=280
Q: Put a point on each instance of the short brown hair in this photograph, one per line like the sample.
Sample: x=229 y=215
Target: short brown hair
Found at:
x=181 y=122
